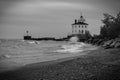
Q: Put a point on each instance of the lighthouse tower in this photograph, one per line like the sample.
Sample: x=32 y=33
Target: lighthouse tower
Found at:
x=27 y=37
x=79 y=26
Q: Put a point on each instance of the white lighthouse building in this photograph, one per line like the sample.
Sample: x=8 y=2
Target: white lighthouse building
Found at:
x=79 y=27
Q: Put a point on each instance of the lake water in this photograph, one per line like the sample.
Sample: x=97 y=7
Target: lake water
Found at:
x=15 y=53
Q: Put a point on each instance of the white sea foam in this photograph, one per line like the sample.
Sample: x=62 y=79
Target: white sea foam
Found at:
x=5 y=56
x=71 y=48
x=33 y=42
x=74 y=39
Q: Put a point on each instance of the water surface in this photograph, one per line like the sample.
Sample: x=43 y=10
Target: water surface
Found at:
x=15 y=53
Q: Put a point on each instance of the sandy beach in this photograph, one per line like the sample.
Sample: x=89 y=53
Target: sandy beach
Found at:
x=100 y=64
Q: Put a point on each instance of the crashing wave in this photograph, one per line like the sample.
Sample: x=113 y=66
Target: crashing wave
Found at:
x=33 y=42
x=72 y=48
x=4 y=56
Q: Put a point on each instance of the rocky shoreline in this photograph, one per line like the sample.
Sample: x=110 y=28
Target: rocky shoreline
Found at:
x=105 y=43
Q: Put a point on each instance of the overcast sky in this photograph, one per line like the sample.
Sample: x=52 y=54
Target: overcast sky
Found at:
x=51 y=17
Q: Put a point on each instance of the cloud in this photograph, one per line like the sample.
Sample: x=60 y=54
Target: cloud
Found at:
x=33 y=7
x=66 y=5
x=45 y=16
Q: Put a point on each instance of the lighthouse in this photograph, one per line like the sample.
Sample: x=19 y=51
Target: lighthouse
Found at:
x=79 y=26
x=27 y=37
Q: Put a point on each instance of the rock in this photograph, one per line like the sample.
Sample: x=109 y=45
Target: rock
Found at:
x=89 y=40
x=102 y=42
x=117 y=45
x=117 y=39
x=113 y=44
x=107 y=44
x=99 y=42
x=94 y=41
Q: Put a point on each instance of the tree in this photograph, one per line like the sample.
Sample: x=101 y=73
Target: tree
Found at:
x=103 y=32
x=111 y=27
x=88 y=35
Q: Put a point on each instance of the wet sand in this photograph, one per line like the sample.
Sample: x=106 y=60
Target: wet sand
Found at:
x=100 y=64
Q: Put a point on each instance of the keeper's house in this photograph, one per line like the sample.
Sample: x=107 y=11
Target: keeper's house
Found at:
x=80 y=28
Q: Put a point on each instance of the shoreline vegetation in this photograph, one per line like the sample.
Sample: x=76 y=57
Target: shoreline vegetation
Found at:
x=109 y=33
x=100 y=64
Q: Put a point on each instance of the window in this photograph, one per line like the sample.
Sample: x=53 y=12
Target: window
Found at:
x=75 y=26
x=72 y=31
x=85 y=26
x=79 y=31
x=82 y=31
x=79 y=26
x=72 y=26
x=82 y=26
x=85 y=31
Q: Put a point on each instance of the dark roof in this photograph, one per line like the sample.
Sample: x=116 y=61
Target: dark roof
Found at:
x=80 y=23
